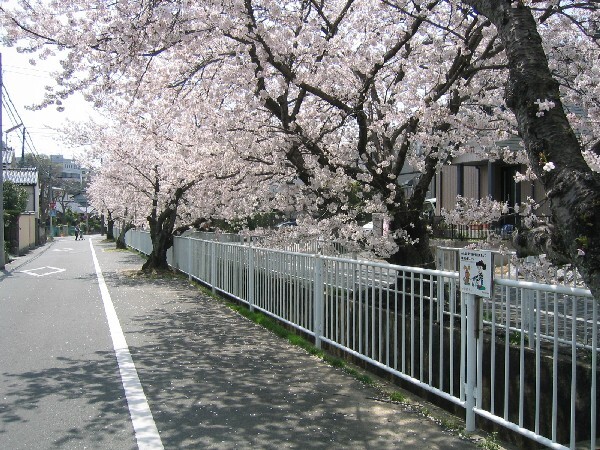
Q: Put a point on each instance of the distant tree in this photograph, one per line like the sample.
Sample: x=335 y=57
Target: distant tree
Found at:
x=153 y=173
x=15 y=202
x=64 y=189
x=110 y=225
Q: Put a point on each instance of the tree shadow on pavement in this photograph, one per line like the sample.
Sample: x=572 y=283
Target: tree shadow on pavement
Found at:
x=94 y=382
x=216 y=380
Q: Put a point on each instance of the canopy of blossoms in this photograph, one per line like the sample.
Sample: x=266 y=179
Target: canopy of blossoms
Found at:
x=318 y=108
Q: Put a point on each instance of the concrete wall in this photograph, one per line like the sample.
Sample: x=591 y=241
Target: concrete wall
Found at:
x=27 y=230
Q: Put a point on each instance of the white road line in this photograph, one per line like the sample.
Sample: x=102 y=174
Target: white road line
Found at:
x=146 y=432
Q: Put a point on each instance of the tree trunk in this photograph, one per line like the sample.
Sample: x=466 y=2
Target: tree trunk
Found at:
x=161 y=233
x=110 y=229
x=572 y=188
x=110 y=226
x=120 y=243
x=417 y=254
x=157 y=260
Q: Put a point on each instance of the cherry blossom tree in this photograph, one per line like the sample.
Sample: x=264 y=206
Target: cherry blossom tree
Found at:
x=142 y=156
x=105 y=196
x=161 y=167
x=541 y=81
x=326 y=100
x=343 y=95
x=365 y=92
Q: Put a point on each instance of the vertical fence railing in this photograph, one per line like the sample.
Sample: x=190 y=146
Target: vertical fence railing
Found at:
x=524 y=359
x=318 y=300
x=541 y=384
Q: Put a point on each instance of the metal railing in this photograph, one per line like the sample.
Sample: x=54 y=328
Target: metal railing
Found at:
x=521 y=359
x=447 y=258
x=568 y=303
x=310 y=245
x=470 y=232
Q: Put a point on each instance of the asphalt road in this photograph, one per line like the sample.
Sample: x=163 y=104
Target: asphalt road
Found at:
x=59 y=383
x=204 y=377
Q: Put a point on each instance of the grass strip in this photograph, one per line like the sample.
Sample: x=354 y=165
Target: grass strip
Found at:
x=453 y=426
x=275 y=327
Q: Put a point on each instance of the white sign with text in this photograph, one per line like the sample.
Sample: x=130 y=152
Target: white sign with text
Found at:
x=476 y=272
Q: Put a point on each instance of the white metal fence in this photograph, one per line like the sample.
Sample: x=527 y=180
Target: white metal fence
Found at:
x=571 y=307
x=447 y=258
x=525 y=360
x=312 y=245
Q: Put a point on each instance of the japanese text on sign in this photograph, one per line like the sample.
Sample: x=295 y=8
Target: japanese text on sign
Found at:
x=476 y=272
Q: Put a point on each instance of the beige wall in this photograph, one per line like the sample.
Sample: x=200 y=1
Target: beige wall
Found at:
x=27 y=225
x=471 y=182
x=483 y=182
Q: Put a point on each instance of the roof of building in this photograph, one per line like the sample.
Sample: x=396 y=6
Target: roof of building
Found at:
x=26 y=177
x=75 y=207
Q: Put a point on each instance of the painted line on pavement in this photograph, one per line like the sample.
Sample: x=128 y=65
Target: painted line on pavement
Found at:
x=33 y=273
x=146 y=433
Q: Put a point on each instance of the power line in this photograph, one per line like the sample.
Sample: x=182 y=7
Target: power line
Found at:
x=10 y=68
x=16 y=119
x=33 y=75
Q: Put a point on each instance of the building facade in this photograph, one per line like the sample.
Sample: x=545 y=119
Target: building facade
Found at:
x=69 y=168
x=26 y=233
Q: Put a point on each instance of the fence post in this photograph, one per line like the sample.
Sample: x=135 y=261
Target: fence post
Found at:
x=174 y=262
x=251 y=277
x=318 y=300
x=471 y=361
x=213 y=265
x=190 y=258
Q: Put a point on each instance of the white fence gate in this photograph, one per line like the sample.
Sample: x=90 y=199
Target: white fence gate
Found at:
x=526 y=359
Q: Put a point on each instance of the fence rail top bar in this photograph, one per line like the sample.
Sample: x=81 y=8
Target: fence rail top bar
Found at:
x=443 y=273
x=557 y=289
x=496 y=251
x=420 y=270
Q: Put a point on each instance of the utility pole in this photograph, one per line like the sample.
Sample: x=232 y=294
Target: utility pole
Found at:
x=23 y=149
x=2 y=255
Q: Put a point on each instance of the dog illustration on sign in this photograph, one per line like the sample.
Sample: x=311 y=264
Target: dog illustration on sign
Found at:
x=467 y=277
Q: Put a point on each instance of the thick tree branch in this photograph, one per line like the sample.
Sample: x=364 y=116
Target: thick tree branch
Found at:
x=573 y=189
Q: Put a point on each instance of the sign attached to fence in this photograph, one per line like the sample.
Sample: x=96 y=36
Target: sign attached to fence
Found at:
x=476 y=272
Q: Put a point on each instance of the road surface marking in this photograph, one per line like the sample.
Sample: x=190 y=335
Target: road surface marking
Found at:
x=146 y=432
x=51 y=271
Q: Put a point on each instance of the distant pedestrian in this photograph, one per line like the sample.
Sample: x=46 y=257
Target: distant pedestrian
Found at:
x=77 y=232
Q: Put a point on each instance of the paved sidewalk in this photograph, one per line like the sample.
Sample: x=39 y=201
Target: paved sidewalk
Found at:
x=213 y=379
